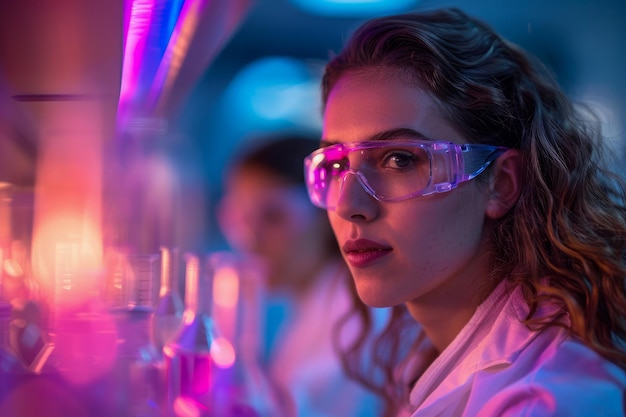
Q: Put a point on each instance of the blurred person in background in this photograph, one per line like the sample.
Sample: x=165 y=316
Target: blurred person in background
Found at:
x=265 y=211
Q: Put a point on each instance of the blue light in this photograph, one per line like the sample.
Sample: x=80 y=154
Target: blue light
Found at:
x=275 y=90
x=355 y=8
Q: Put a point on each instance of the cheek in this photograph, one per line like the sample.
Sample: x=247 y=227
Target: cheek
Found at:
x=434 y=233
x=335 y=222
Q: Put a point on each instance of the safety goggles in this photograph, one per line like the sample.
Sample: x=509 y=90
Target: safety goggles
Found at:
x=394 y=170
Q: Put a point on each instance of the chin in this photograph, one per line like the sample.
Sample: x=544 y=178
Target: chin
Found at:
x=373 y=296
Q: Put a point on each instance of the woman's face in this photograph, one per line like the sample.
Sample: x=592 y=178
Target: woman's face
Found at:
x=424 y=250
x=265 y=215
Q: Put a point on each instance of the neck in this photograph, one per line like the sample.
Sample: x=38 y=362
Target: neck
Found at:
x=444 y=312
x=441 y=323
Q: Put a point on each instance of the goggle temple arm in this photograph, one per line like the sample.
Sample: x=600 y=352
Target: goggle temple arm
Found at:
x=476 y=158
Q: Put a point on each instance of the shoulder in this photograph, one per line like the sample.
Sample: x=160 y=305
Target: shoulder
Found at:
x=570 y=380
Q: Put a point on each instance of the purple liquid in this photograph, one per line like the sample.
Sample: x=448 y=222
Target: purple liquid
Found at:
x=188 y=379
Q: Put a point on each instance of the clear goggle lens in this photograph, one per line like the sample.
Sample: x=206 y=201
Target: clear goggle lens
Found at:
x=394 y=170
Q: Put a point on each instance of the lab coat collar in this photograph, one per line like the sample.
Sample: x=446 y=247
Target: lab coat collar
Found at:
x=493 y=338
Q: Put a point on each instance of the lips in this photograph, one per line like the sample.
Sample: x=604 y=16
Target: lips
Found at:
x=363 y=252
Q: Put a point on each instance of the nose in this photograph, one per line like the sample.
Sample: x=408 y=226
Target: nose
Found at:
x=354 y=202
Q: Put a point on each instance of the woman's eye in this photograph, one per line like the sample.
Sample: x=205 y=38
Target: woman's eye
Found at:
x=399 y=160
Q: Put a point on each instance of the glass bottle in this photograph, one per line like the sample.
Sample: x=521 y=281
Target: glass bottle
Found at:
x=138 y=374
x=144 y=282
x=168 y=312
x=115 y=291
x=190 y=357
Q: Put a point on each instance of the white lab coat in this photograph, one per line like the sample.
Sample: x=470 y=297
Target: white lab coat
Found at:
x=496 y=366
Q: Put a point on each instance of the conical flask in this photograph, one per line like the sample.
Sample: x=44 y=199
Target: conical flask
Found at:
x=190 y=357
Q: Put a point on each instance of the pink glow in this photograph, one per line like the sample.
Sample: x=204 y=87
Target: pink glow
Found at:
x=168 y=351
x=223 y=353
x=187 y=407
x=86 y=346
x=67 y=237
x=67 y=258
x=225 y=297
x=226 y=287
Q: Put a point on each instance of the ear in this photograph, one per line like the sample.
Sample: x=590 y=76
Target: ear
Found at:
x=504 y=184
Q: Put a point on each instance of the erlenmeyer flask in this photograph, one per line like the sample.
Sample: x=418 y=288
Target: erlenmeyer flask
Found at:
x=191 y=356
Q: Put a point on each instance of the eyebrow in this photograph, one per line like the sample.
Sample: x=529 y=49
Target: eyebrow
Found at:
x=392 y=134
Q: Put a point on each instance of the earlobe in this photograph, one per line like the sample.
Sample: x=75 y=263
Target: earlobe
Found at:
x=504 y=185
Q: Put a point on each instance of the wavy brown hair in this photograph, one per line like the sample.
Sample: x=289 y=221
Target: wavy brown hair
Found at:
x=565 y=240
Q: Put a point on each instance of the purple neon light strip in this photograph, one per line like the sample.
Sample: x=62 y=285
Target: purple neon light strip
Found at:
x=137 y=29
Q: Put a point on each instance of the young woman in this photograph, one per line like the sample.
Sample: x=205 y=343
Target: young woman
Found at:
x=468 y=192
